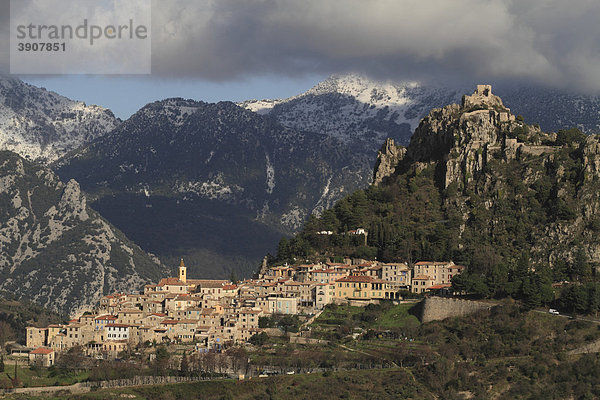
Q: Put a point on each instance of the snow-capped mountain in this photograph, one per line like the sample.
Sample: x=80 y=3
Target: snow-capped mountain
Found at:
x=553 y=109
x=358 y=110
x=364 y=112
x=188 y=178
x=42 y=126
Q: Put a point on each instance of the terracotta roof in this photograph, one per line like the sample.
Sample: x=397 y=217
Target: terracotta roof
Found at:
x=117 y=326
x=106 y=317
x=360 y=278
x=203 y=328
x=42 y=350
x=250 y=311
x=207 y=283
x=171 y=281
x=433 y=263
x=229 y=287
x=397 y=264
x=130 y=311
x=441 y=286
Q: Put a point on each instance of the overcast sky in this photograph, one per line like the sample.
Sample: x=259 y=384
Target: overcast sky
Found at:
x=234 y=49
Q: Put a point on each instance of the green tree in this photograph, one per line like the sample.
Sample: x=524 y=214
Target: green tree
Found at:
x=283 y=250
x=259 y=339
x=569 y=136
x=2 y=363
x=184 y=369
x=265 y=322
x=593 y=298
x=531 y=295
x=162 y=359
x=581 y=266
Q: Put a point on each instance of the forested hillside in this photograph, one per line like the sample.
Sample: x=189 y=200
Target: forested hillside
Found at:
x=478 y=186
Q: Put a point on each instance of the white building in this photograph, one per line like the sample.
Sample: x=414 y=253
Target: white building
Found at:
x=117 y=332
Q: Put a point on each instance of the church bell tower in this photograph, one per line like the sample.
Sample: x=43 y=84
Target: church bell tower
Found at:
x=182 y=271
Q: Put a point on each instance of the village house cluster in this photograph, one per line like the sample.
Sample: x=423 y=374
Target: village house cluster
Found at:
x=215 y=313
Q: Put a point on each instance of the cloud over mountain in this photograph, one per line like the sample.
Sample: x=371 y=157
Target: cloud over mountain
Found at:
x=548 y=42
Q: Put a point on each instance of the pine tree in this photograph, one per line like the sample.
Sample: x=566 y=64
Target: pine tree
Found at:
x=1 y=363
x=185 y=366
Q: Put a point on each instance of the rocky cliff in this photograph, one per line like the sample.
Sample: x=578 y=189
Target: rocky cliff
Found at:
x=54 y=249
x=480 y=186
x=42 y=126
x=387 y=159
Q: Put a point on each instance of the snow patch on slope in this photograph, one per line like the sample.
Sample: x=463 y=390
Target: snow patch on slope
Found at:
x=41 y=125
x=352 y=106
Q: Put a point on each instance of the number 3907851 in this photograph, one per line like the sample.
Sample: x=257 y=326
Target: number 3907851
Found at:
x=41 y=46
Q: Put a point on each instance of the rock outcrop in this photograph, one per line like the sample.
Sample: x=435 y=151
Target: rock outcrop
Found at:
x=54 y=249
x=466 y=137
x=387 y=159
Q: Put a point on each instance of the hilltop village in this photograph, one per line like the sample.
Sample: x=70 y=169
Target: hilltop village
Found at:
x=211 y=314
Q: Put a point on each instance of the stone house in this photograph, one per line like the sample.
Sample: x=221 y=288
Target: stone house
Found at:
x=42 y=356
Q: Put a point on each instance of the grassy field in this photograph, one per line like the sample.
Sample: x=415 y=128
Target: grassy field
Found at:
x=384 y=316
x=40 y=376
x=397 y=317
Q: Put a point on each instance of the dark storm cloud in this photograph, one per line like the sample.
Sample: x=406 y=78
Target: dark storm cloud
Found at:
x=546 y=41
x=550 y=42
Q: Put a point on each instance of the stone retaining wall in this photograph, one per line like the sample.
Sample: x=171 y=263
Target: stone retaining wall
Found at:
x=438 y=308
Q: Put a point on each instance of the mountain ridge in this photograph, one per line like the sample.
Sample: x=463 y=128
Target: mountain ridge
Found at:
x=212 y=161
x=41 y=125
x=56 y=250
